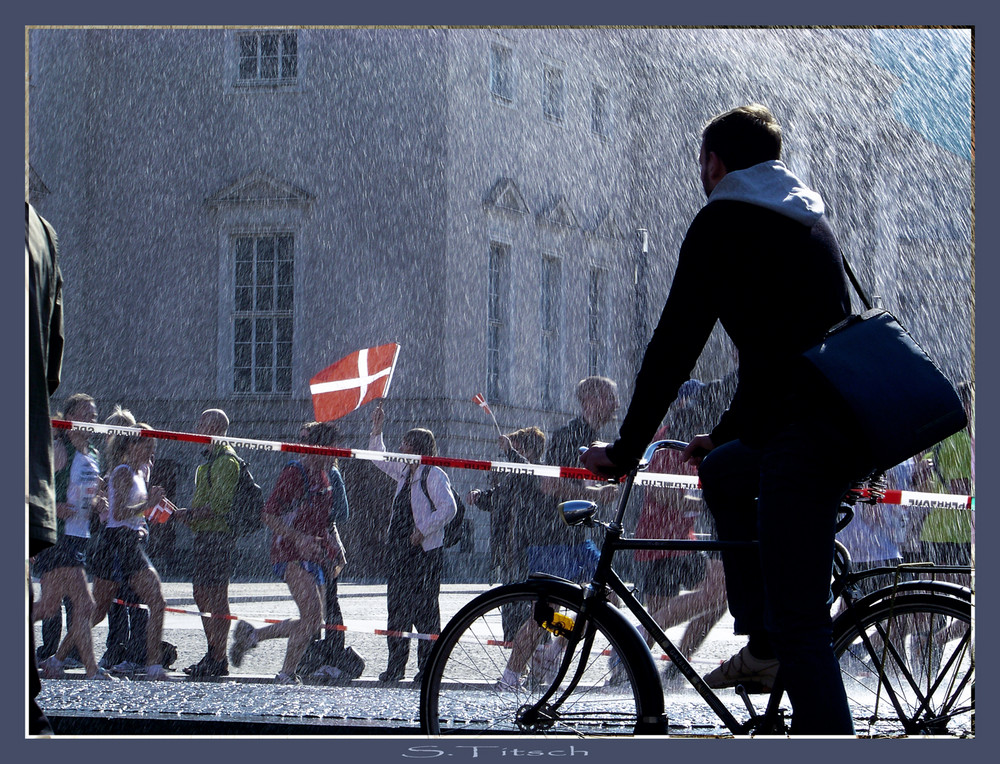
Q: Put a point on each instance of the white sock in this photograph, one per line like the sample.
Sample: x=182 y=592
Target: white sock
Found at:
x=510 y=677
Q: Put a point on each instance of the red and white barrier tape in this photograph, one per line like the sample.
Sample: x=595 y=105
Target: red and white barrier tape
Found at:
x=683 y=482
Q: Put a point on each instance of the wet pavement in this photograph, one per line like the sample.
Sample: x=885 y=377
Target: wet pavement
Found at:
x=247 y=702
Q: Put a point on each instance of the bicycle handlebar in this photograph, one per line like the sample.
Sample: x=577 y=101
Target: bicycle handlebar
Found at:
x=657 y=445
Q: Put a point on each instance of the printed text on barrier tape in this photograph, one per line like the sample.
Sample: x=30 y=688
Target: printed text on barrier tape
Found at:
x=684 y=482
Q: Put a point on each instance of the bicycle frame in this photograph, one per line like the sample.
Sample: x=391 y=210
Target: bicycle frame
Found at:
x=605 y=579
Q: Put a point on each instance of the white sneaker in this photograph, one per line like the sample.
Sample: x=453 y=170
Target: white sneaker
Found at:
x=51 y=668
x=156 y=673
x=756 y=674
x=503 y=685
x=545 y=661
x=103 y=674
x=283 y=678
x=327 y=672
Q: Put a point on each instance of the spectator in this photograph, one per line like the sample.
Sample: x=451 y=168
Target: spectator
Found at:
x=422 y=507
x=45 y=346
x=62 y=567
x=298 y=514
x=564 y=552
x=126 y=640
x=553 y=547
x=120 y=555
x=515 y=520
x=326 y=657
x=79 y=407
x=670 y=513
x=214 y=550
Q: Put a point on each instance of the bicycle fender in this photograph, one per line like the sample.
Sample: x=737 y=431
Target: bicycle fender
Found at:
x=946 y=588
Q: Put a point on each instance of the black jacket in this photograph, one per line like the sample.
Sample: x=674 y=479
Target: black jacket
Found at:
x=776 y=284
x=45 y=345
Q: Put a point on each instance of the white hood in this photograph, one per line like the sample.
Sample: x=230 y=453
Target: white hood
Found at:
x=772 y=186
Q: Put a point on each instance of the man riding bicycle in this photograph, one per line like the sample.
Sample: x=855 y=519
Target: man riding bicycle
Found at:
x=761 y=258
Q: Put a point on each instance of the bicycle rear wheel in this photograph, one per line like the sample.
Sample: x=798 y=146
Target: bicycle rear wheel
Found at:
x=463 y=691
x=924 y=644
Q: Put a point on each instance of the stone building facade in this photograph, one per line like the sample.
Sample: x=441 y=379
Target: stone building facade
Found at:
x=239 y=208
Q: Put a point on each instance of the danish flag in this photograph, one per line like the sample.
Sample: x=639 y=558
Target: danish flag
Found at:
x=353 y=381
x=480 y=400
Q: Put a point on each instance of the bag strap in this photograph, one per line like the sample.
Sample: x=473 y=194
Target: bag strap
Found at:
x=211 y=463
x=305 y=476
x=423 y=487
x=857 y=285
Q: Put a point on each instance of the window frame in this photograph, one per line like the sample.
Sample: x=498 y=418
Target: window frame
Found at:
x=596 y=339
x=604 y=126
x=255 y=314
x=260 y=82
x=550 y=323
x=497 y=319
x=505 y=98
x=550 y=117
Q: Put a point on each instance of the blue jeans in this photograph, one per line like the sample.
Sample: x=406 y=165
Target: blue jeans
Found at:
x=786 y=494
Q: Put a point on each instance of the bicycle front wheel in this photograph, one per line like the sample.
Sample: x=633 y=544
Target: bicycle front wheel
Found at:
x=466 y=690
x=924 y=644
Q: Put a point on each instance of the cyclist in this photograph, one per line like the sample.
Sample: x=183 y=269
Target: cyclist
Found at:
x=780 y=458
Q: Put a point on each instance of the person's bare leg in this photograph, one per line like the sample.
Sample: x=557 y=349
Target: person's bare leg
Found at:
x=146 y=584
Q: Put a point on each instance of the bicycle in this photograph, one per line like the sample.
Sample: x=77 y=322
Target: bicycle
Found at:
x=906 y=651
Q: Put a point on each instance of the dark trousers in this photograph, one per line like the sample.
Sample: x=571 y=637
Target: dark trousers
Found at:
x=786 y=494
x=127 y=626
x=327 y=646
x=38 y=723
x=412 y=595
x=52 y=631
x=333 y=616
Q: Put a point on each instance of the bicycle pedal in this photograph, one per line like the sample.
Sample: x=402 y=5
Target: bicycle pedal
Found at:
x=751 y=688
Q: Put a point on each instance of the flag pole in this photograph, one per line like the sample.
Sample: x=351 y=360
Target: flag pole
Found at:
x=480 y=400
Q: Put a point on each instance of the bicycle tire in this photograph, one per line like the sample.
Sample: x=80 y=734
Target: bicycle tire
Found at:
x=927 y=685
x=461 y=692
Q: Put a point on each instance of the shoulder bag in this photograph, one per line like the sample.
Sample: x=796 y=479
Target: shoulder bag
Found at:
x=901 y=401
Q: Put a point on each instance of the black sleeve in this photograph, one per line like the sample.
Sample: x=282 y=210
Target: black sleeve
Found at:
x=683 y=329
x=562 y=450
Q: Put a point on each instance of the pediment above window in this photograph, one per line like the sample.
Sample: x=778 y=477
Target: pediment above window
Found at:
x=607 y=227
x=259 y=188
x=559 y=213
x=505 y=195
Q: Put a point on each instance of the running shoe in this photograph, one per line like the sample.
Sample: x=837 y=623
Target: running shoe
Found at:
x=51 y=668
x=103 y=675
x=244 y=638
x=755 y=674
x=208 y=667
x=283 y=678
x=156 y=673
x=545 y=661
x=502 y=685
